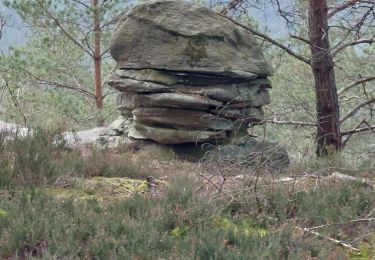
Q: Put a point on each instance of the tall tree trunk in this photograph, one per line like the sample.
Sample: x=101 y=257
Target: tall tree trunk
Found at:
x=97 y=60
x=328 y=132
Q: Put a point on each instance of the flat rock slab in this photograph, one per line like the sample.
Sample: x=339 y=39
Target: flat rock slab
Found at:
x=163 y=135
x=173 y=100
x=246 y=115
x=170 y=78
x=132 y=85
x=252 y=93
x=150 y=75
x=181 y=118
x=14 y=129
x=181 y=36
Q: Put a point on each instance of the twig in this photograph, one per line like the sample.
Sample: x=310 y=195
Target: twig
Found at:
x=358 y=130
x=340 y=242
x=356 y=108
x=267 y=38
x=300 y=38
x=298 y=123
x=231 y=6
x=346 y=45
x=339 y=7
x=355 y=83
x=332 y=224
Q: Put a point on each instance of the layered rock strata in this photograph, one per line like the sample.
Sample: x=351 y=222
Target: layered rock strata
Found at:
x=186 y=75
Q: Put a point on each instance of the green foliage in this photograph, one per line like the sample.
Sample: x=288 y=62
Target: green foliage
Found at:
x=49 y=79
x=367 y=251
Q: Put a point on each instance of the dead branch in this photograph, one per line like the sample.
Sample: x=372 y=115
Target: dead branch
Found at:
x=351 y=221
x=297 y=123
x=270 y=40
x=282 y=13
x=231 y=6
x=300 y=38
x=57 y=84
x=351 y=134
x=340 y=7
x=358 y=130
x=339 y=242
x=356 y=108
x=346 y=45
x=355 y=83
x=2 y=25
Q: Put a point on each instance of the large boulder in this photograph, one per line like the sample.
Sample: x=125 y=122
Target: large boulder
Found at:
x=188 y=76
x=181 y=36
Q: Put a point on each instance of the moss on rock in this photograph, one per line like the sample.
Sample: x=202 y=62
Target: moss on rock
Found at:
x=102 y=189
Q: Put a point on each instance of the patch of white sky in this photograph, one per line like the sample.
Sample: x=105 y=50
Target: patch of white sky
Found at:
x=15 y=31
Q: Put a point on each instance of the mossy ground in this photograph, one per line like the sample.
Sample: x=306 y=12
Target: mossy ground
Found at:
x=102 y=189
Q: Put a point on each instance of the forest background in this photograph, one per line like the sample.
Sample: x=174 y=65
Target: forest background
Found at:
x=54 y=62
x=50 y=51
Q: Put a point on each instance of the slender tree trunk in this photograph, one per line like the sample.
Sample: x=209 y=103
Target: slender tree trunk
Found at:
x=97 y=60
x=328 y=132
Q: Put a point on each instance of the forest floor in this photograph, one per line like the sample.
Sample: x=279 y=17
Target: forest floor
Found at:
x=56 y=203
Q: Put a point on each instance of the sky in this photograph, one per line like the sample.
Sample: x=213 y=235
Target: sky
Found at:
x=15 y=32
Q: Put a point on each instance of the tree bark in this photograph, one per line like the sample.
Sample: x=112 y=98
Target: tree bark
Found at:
x=97 y=59
x=328 y=131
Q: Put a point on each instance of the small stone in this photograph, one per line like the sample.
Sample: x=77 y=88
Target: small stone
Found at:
x=118 y=124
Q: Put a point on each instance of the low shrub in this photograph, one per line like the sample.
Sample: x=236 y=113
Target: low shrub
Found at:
x=40 y=158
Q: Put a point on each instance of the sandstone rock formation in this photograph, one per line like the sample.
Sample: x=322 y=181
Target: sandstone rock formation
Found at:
x=186 y=74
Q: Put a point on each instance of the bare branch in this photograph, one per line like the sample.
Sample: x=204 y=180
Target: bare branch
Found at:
x=2 y=24
x=39 y=80
x=353 y=84
x=356 y=108
x=358 y=130
x=267 y=38
x=351 y=134
x=231 y=6
x=340 y=7
x=346 y=45
x=81 y=3
x=339 y=242
x=300 y=38
x=291 y=122
x=282 y=13
x=57 y=84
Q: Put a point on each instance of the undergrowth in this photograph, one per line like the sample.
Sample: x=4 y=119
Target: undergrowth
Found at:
x=40 y=158
x=184 y=223
x=180 y=225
